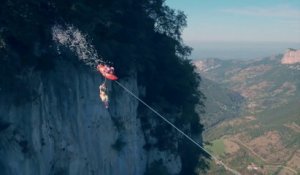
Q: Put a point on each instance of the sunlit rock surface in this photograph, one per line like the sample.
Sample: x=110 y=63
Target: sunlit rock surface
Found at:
x=292 y=56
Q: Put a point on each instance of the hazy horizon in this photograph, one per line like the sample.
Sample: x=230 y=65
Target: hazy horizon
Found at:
x=238 y=50
x=240 y=29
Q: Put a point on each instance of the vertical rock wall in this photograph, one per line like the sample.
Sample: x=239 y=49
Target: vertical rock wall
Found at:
x=67 y=130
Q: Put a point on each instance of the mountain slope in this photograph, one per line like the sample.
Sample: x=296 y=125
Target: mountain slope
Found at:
x=224 y=105
x=266 y=133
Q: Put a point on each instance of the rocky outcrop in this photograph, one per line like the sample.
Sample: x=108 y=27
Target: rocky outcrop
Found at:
x=292 y=56
x=67 y=130
x=207 y=65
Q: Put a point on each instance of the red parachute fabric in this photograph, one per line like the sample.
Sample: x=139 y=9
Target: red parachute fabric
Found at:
x=103 y=69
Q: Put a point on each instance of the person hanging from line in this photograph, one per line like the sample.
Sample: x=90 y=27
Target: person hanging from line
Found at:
x=103 y=95
x=108 y=73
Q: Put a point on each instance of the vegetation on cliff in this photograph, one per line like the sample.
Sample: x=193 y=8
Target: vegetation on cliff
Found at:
x=141 y=35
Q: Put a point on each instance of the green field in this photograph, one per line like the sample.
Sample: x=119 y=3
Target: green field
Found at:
x=216 y=148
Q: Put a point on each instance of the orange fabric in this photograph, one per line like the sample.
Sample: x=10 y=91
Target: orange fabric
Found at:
x=104 y=70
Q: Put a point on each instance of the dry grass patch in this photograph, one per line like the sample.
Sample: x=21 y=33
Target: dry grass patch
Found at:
x=293 y=126
x=231 y=147
x=270 y=147
x=295 y=161
x=250 y=72
x=240 y=121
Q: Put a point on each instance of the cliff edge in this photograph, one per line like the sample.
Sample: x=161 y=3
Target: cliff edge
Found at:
x=291 y=56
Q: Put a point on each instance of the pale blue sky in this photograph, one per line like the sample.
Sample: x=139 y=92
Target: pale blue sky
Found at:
x=240 y=20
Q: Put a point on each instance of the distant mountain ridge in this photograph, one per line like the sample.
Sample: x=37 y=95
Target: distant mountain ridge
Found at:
x=260 y=81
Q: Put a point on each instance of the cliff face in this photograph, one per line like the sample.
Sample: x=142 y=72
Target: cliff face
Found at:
x=67 y=130
x=51 y=118
x=291 y=57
